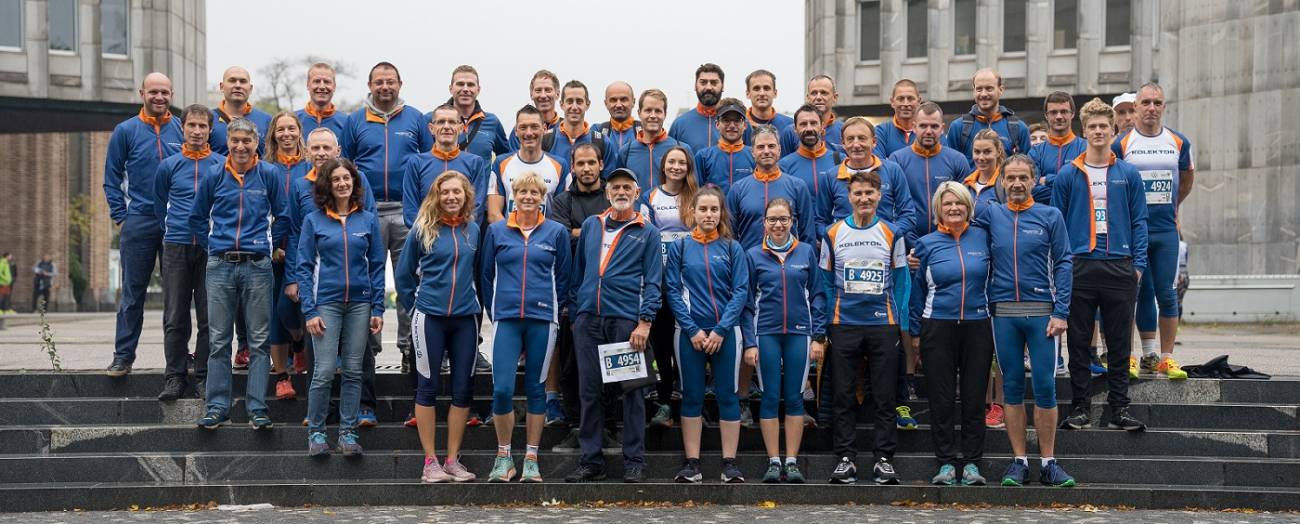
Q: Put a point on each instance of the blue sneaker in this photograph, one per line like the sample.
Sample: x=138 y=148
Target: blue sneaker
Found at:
x=1017 y=474
x=348 y=444
x=212 y=420
x=970 y=476
x=947 y=476
x=317 y=446
x=1096 y=368
x=555 y=414
x=1053 y=475
x=904 y=419
x=366 y=418
x=260 y=421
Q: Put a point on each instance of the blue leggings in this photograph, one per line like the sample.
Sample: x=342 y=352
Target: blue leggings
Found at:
x=774 y=351
x=1010 y=336
x=435 y=336
x=536 y=340
x=1157 y=286
x=726 y=371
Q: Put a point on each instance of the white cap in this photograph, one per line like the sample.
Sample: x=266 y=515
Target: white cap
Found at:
x=1124 y=98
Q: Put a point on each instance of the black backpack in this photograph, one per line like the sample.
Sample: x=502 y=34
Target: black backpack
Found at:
x=1013 y=130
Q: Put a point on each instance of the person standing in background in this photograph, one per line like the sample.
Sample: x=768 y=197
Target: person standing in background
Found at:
x=44 y=280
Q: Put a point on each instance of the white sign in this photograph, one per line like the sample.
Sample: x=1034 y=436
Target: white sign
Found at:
x=619 y=362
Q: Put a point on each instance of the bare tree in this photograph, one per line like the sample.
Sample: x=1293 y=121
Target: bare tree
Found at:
x=284 y=79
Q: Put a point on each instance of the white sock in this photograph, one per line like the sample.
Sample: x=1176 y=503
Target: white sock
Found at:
x=1047 y=459
x=1023 y=460
x=773 y=460
x=1148 y=346
x=791 y=460
x=503 y=450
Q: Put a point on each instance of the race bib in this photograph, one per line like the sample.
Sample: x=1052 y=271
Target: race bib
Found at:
x=619 y=362
x=1099 y=216
x=666 y=238
x=1159 y=185
x=510 y=207
x=864 y=277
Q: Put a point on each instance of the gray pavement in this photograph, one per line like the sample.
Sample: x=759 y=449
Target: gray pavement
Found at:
x=676 y=513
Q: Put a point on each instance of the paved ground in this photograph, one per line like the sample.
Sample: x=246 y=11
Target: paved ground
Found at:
x=626 y=515
x=85 y=341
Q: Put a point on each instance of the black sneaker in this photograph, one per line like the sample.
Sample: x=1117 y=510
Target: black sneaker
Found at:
x=1121 y=419
x=1078 y=419
x=212 y=420
x=690 y=472
x=118 y=369
x=634 y=473
x=730 y=473
x=883 y=472
x=845 y=472
x=172 y=389
x=570 y=443
x=585 y=473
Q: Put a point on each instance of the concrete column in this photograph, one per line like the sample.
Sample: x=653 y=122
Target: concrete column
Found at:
x=1092 y=22
x=893 y=41
x=1038 y=44
x=846 y=50
x=939 y=23
x=988 y=33
x=37 y=45
x=91 y=49
x=1145 y=24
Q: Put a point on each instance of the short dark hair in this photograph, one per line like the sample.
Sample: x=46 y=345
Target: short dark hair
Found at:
x=196 y=110
x=929 y=108
x=906 y=82
x=528 y=109
x=809 y=108
x=323 y=192
x=575 y=84
x=710 y=68
x=1059 y=97
x=871 y=178
x=758 y=73
x=383 y=65
x=573 y=153
x=444 y=107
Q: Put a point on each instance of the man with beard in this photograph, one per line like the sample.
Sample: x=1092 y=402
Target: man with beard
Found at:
x=900 y=131
x=619 y=254
x=698 y=127
x=1061 y=146
x=988 y=113
x=730 y=159
x=543 y=90
x=319 y=111
x=481 y=132
x=926 y=164
x=621 y=128
x=645 y=154
x=822 y=96
x=760 y=89
x=573 y=129
x=529 y=159
x=814 y=162
x=236 y=91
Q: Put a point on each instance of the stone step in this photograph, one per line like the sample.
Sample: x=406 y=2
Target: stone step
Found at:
x=406 y=492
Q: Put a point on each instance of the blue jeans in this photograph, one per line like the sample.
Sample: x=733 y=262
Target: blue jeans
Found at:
x=140 y=245
x=347 y=326
x=244 y=287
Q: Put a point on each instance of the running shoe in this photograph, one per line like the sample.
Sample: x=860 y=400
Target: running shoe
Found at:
x=212 y=420
x=995 y=417
x=300 y=363
x=284 y=389
x=457 y=471
x=585 y=473
x=1150 y=363
x=1078 y=419
x=1053 y=475
x=241 y=358
x=433 y=472
x=746 y=417
x=260 y=421
x=903 y=418
x=730 y=473
x=1171 y=370
x=317 y=445
x=531 y=472
x=633 y=474
x=947 y=476
x=1096 y=367
x=173 y=388
x=663 y=417
x=411 y=422
x=473 y=421
x=792 y=473
x=690 y=472
x=503 y=469
x=1016 y=475
x=348 y=444
x=1133 y=367
x=555 y=414
x=883 y=473
x=773 y=473
x=845 y=472
x=366 y=418
x=970 y=476
x=118 y=369
x=570 y=443
x=1121 y=419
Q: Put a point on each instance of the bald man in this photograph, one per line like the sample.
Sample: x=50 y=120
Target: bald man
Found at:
x=622 y=127
x=136 y=148
x=988 y=113
x=236 y=102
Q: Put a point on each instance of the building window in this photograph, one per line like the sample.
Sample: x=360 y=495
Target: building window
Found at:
x=1066 y=24
x=917 y=43
x=963 y=21
x=113 y=16
x=11 y=24
x=1118 y=22
x=869 y=30
x=1013 y=27
x=62 y=17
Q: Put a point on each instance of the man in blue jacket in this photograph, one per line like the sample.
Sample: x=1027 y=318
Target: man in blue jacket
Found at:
x=544 y=91
x=481 y=132
x=644 y=154
x=319 y=111
x=135 y=150
x=988 y=112
x=618 y=268
x=622 y=126
x=729 y=160
x=237 y=102
x=1061 y=146
x=926 y=163
x=822 y=95
x=900 y=131
x=698 y=127
x=760 y=89
x=573 y=128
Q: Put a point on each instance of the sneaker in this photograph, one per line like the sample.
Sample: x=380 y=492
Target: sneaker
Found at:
x=284 y=389
x=883 y=473
x=118 y=369
x=611 y=442
x=995 y=417
x=503 y=469
x=1017 y=473
x=1078 y=419
x=433 y=472
x=1121 y=419
x=411 y=422
x=792 y=474
x=633 y=474
x=348 y=444
x=1150 y=362
x=690 y=472
x=730 y=473
x=317 y=446
x=1132 y=367
x=555 y=414
x=585 y=473
x=1171 y=370
x=845 y=472
x=212 y=420
x=487 y=421
x=457 y=472
x=1096 y=368
x=172 y=389
x=773 y=473
x=473 y=421
x=366 y=418
x=531 y=472
x=970 y=476
x=300 y=363
x=947 y=476
x=663 y=417
x=746 y=418
x=570 y=443
x=260 y=421
x=1053 y=475
x=904 y=419
x=241 y=358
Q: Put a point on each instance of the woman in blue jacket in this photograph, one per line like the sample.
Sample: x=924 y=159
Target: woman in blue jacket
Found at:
x=341 y=276
x=525 y=275
x=285 y=148
x=668 y=207
x=786 y=313
x=984 y=183
x=950 y=313
x=708 y=285
x=435 y=281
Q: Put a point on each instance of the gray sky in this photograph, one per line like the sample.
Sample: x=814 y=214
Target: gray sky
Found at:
x=508 y=41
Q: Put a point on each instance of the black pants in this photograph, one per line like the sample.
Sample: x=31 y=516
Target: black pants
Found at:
x=38 y=293
x=570 y=398
x=950 y=348
x=662 y=333
x=590 y=331
x=879 y=346
x=1112 y=287
x=183 y=270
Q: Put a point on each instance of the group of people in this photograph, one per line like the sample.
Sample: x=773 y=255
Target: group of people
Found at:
x=737 y=244
x=42 y=281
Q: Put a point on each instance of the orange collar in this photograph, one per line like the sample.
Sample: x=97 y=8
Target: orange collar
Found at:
x=846 y=172
x=730 y=148
x=585 y=129
x=608 y=214
x=329 y=211
x=239 y=177
x=812 y=153
x=286 y=160
x=766 y=176
x=1083 y=166
x=155 y=122
x=830 y=119
x=311 y=175
x=900 y=127
x=371 y=116
x=926 y=153
x=319 y=114
x=248 y=108
x=445 y=155
x=476 y=116
x=996 y=116
x=622 y=125
x=452 y=221
x=197 y=155
x=554 y=121
x=513 y=220
x=954 y=232
x=641 y=137
x=702 y=237
x=974 y=178
x=1020 y=207
x=1061 y=142
x=706 y=111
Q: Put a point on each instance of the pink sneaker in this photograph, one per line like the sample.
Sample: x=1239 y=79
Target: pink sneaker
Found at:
x=433 y=473
x=457 y=472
